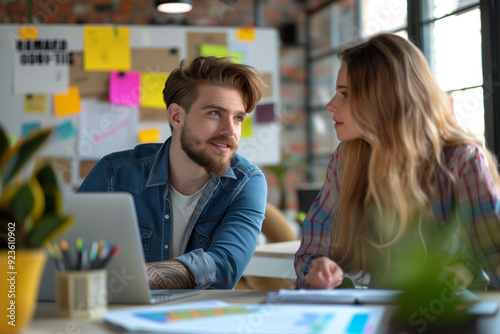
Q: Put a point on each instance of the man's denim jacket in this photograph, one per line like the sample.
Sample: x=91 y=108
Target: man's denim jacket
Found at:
x=226 y=223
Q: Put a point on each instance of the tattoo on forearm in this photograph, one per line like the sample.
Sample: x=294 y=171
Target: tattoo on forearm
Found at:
x=170 y=274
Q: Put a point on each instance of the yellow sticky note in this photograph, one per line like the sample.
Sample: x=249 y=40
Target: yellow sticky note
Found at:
x=28 y=32
x=152 y=84
x=68 y=103
x=214 y=50
x=246 y=128
x=151 y=135
x=35 y=104
x=245 y=34
x=106 y=49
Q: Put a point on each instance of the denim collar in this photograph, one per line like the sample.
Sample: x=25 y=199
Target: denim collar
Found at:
x=159 y=171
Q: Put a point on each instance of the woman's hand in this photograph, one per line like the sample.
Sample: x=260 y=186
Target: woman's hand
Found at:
x=324 y=273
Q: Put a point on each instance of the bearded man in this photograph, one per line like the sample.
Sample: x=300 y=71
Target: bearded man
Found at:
x=199 y=205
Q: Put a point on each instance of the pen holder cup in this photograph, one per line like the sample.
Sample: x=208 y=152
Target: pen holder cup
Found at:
x=81 y=294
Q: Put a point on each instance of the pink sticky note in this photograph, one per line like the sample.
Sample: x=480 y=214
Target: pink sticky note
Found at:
x=124 y=88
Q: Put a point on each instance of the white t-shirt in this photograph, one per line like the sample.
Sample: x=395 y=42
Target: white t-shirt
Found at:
x=182 y=211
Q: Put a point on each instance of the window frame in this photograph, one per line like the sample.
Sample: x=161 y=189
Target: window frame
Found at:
x=489 y=10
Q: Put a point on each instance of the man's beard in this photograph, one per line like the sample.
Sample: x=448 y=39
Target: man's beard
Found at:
x=190 y=144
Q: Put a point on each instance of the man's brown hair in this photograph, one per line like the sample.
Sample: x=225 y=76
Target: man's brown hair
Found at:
x=183 y=84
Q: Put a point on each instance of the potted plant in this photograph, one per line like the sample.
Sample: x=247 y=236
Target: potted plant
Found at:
x=30 y=215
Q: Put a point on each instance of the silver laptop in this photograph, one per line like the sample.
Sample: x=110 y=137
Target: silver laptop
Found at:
x=112 y=217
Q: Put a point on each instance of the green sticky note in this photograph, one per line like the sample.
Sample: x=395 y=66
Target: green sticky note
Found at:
x=219 y=51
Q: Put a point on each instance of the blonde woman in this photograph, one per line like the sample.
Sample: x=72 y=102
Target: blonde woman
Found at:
x=405 y=170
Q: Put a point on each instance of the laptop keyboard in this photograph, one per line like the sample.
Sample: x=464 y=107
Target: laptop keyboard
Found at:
x=159 y=296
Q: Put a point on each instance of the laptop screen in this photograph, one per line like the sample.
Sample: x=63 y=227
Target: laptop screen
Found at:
x=111 y=217
x=306 y=194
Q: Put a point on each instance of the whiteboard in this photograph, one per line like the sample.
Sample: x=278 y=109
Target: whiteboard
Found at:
x=262 y=147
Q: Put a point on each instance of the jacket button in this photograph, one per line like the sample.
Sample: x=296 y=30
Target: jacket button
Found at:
x=167 y=216
x=165 y=246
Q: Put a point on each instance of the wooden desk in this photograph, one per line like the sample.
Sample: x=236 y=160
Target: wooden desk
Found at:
x=46 y=322
x=273 y=260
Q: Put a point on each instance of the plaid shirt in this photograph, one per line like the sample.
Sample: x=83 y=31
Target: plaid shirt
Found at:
x=475 y=199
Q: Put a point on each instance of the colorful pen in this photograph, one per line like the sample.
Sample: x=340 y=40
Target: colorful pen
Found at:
x=65 y=255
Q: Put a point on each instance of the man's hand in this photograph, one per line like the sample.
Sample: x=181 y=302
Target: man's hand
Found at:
x=324 y=273
x=169 y=274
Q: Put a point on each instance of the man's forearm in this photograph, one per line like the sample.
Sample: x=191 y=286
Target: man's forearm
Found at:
x=169 y=274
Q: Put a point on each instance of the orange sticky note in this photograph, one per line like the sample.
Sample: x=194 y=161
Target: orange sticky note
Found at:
x=245 y=34
x=151 y=135
x=28 y=32
x=68 y=103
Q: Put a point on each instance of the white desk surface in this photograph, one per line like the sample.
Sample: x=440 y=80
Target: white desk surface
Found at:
x=45 y=320
x=273 y=260
x=285 y=249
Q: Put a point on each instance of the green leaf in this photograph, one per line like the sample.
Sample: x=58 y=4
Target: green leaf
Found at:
x=47 y=229
x=21 y=203
x=48 y=178
x=20 y=154
x=5 y=219
x=4 y=143
x=7 y=216
x=53 y=200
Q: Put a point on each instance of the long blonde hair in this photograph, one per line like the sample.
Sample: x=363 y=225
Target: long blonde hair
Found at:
x=407 y=121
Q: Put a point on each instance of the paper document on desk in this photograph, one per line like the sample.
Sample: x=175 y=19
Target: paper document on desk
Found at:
x=213 y=317
x=336 y=296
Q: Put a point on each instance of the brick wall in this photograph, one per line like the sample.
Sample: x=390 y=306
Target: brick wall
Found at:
x=205 y=12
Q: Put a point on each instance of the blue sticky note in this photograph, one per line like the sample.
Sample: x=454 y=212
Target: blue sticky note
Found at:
x=358 y=323
x=66 y=130
x=27 y=128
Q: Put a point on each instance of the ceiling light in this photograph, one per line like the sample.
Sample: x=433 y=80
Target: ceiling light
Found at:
x=174 y=6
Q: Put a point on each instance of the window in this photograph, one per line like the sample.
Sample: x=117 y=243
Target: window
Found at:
x=331 y=27
x=450 y=33
x=382 y=16
x=452 y=39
